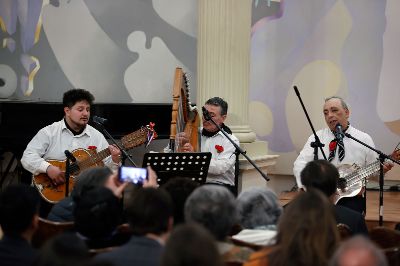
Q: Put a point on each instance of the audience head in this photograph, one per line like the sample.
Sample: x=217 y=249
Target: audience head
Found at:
x=89 y=179
x=186 y=246
x=214 y=207
x=307 y=232
x=321 y=175
x=179 y=188
x=19 y=209
x=149 y=211
x=358 y=251
x=71 y=97
x=97 y=213
x=63 y=250
x=258 y=207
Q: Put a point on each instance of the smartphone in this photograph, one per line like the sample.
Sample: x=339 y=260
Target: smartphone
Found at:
x=132 y=174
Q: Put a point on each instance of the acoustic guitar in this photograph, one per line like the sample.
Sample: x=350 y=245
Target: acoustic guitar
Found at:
x=85 y=159
x=353 y=178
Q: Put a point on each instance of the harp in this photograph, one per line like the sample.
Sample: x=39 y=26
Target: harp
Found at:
x=185 y=117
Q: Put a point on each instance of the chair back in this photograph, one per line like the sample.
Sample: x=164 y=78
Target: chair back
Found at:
x=47 y=229
x=385 y=238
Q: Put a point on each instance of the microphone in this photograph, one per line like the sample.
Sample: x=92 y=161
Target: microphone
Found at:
x=206 y=114
x=99 y=120
x=339 y=132
x=70 y=156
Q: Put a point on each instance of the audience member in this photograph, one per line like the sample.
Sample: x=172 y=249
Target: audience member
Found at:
x=358 y=251
x=214 y=207
x=186 y=246
x=179 y=188
x=19 y=216
x=259 y=211
x=63 y=250
x=307 y=232
x=149 y=214
x=97 y=214
x=324 y=176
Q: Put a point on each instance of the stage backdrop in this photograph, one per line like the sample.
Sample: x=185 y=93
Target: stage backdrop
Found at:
x=125 y=51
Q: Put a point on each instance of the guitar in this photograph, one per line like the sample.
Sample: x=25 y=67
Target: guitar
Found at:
x=353 y=178
x=84 y=159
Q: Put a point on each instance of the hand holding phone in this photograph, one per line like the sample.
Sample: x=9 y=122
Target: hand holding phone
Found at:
x=132 y=174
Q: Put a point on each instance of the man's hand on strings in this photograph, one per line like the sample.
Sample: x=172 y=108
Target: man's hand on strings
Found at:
x=115 y=153
x=56 y=175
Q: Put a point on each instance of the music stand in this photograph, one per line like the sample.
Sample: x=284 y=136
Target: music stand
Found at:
x=180 y=164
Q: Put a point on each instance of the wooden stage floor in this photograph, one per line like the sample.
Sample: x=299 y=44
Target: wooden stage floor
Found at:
x=391 y=207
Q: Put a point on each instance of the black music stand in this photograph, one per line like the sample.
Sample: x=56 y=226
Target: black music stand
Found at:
x=181 y=164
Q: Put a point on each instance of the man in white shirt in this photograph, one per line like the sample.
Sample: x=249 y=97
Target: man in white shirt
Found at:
x=71 y=133
x=339 y=153
x=222 y=165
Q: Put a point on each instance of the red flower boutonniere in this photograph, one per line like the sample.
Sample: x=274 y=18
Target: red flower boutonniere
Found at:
x=92 y=148
x=332 y=145
x=219 y=148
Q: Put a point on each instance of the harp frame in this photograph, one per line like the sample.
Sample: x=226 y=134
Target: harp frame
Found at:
x=185 y=117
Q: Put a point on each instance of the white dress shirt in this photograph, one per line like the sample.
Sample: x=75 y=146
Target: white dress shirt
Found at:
x=222 y=165
x=354 y=151
x=51 y=142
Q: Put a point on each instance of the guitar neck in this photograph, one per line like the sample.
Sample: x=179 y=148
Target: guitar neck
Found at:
x=362 y=173
x=94 y=159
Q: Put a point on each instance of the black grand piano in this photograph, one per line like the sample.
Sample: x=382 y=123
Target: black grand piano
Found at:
x=20 y=121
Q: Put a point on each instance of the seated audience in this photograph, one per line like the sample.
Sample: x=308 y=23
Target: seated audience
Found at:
x=186 y=246
x=62 y=211
x=149 y=213
x=307 y=232
x=214 y=207
x=358 y=251
x=324 y=176
x=62 y=250
x=179 y=188
x=19 y=216
x=97 y=214
x=259 y=211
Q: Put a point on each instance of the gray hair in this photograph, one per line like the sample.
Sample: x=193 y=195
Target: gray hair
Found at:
x=213 y=207
x=258 y=207
x=342 y=102
x=359 y=243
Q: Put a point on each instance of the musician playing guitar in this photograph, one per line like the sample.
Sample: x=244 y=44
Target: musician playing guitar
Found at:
x=70 y=133
x=339 y=151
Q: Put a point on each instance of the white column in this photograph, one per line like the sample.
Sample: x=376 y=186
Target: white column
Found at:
x=223 y=69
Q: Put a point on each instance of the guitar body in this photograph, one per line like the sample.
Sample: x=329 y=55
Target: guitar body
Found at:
x=346 y=188
x=52 y=193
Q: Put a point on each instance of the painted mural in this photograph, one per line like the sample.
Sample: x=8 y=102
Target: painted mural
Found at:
x=121 y=50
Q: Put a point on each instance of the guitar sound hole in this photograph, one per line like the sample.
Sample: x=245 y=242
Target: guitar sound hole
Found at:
x=342 y=183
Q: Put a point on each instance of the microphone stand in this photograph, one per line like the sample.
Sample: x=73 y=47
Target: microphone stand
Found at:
x=238 y=150
x=67 y=176
x=382 y=158
x=317 y=143
x=125 y=155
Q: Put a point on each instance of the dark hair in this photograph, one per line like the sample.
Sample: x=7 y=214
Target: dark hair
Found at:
x=73 y=96
x=322 y=175
x=307 y=232
x=18 y=205
x=62 y=250
x=187 y=245
x=148 y=211
x=217 y=101
x=179 y=188
x=214 y=207
x=89 y=179
x=97 y=213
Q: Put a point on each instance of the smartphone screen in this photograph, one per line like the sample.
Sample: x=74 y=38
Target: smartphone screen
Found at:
x=132 y=174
